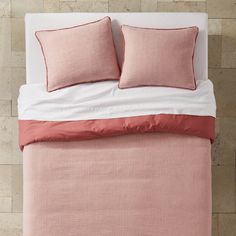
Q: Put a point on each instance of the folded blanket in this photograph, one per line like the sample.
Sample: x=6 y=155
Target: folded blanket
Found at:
x=101 y=109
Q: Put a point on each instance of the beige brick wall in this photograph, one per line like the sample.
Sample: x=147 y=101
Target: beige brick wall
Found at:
x=222 y=71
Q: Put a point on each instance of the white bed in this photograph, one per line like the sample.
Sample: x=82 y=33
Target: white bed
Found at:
x=144 y=184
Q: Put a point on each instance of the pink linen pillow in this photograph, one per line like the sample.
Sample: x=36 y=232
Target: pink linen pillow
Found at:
x=79 y=54
x=158 y=57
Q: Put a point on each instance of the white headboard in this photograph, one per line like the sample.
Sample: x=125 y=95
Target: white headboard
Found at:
x=35 y=68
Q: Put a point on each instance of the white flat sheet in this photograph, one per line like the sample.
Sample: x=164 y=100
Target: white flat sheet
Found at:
x=104 y=100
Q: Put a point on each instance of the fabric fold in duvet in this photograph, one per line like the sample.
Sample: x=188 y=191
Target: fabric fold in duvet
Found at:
x=40 y=131
x=101 y=110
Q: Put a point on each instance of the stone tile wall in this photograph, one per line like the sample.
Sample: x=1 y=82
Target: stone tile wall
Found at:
x=222 y=71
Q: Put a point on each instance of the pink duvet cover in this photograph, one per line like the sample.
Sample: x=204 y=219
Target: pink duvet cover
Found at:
x=132 y=185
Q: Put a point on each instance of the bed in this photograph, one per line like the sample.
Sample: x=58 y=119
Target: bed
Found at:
x=144 y=179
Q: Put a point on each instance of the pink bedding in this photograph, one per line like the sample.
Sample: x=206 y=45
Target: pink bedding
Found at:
x=132 y=185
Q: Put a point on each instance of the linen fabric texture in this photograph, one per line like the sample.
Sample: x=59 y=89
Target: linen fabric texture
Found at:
x=83 y=53
x=158 y=57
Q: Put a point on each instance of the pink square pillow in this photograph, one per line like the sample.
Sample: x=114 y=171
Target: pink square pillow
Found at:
x=79 y=54
x=158 y=57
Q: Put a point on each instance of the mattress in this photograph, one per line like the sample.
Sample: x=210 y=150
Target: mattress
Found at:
x=132 y=185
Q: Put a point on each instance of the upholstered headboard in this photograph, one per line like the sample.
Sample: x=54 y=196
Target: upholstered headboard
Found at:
x=35 y=67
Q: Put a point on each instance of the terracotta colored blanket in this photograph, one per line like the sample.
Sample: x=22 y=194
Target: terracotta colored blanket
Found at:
x=132 y=185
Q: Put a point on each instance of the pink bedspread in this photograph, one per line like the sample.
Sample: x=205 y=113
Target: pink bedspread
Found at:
x=132 y=185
